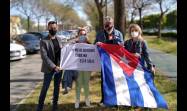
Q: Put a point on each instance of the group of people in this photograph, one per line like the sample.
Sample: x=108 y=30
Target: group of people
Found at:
x=50 y=53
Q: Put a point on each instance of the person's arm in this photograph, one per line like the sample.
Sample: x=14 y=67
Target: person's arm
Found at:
x=119 y=38
x=146 y=55
x=44 y=56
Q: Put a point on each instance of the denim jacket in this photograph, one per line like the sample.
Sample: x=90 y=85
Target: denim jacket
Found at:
x=140 y=48
x=102 y=37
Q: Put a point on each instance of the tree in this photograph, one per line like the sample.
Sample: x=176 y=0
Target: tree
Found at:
x=91 y=10
x=164 y=8
x=26 y=8
x=65 y=14
x=171 y=19
x=100 y=5
x=131 y=11
x=140 y=5
x=150 y=21
x=119 y=15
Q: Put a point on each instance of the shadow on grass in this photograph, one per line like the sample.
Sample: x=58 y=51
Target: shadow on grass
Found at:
x=70 y=107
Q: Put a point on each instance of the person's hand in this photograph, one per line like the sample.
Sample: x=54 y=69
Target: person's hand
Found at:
x=153 y=70
x=57 y=69
x=137 y=55
x=98 y=43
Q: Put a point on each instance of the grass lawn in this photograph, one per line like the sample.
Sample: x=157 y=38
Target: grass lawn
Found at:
x=164 y=44
x=66 y=102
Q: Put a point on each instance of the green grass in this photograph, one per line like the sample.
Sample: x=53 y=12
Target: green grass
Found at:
x=66 y=102
x=167 y=45
x=164 y=44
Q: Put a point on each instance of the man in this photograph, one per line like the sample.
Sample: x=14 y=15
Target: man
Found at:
x=109 y=35
x=50 y=49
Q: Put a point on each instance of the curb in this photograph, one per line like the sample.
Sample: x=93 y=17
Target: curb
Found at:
x=24 y=99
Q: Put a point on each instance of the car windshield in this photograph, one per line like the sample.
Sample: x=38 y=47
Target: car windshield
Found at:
x=29 y=37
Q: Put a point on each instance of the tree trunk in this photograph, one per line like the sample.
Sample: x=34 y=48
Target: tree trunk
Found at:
x=160 y=26
x=106 y=8
x=119 y=20
x=99 y=8
x=28 y=23
x=38 y=24
x=140 y=15
x=100 y=21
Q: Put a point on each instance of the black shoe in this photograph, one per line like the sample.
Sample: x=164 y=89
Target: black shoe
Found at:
x=54 y=108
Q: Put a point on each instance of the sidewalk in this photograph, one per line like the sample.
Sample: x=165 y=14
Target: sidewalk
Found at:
x=166 y=63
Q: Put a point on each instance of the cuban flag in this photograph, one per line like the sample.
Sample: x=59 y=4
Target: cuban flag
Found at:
x=126 y=81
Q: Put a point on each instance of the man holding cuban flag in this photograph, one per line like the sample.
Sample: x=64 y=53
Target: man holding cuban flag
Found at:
x=125 y=80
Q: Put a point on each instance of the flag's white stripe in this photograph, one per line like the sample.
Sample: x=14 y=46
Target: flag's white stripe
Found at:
x=123 y=96
x=149 y=100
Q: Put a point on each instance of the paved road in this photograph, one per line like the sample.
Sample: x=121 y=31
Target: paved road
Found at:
x=24 y=76
x=166 y=63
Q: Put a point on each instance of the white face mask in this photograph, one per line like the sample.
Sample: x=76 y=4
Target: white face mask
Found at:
x=134 y=34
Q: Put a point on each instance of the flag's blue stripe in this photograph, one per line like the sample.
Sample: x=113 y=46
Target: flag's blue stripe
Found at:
x=108 y=79
x=161 y=103
x=135 y=92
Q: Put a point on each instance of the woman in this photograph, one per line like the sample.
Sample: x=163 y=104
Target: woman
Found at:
x=83 y=76
x=137 y=45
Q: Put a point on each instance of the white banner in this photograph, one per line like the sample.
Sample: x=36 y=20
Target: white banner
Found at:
x=80 y=56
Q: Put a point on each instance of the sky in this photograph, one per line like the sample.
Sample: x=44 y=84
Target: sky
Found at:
x=78 y=9
x=83 y=16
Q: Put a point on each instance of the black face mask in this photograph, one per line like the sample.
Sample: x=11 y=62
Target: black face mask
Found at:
x=108 y=27
x=52 y=32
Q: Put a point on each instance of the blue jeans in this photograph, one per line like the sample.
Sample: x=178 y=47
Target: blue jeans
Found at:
x=46 y=83
x=69 y=76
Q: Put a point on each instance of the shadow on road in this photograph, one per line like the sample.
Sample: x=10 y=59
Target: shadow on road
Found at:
x=26 y=80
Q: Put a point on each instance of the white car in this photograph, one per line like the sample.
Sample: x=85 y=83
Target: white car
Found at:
x=17 y=51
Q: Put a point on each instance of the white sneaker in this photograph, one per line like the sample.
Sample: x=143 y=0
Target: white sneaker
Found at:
x=87 y=101
x=68 y=88
x=101 y=104
x=77 y=104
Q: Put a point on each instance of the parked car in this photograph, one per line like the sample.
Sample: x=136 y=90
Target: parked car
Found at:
x=17 y=51
x=63 y=35
x=29 y=41
x=44 y=33
x=40 y=35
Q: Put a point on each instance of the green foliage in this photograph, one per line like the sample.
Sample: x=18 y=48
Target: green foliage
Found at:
x=168 y=21
x=24 y=23
x=171 y=19
x=151 y=21
x=91 y=10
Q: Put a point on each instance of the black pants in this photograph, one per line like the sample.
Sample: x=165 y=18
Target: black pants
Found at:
x=46 y=83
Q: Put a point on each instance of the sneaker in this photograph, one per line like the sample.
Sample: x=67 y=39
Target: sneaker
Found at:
x=65 y=92
x=68 y=88
x=77 y=104
x=87 y=101
x=101 y=104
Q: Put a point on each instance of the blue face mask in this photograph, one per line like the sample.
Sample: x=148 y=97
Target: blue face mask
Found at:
x=82 y=38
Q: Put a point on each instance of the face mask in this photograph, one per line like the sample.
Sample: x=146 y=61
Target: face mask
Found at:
x=134 y=34
x=52 y=32
x=82 y=38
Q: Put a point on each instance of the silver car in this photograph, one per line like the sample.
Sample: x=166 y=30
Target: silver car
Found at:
x=17 y=51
